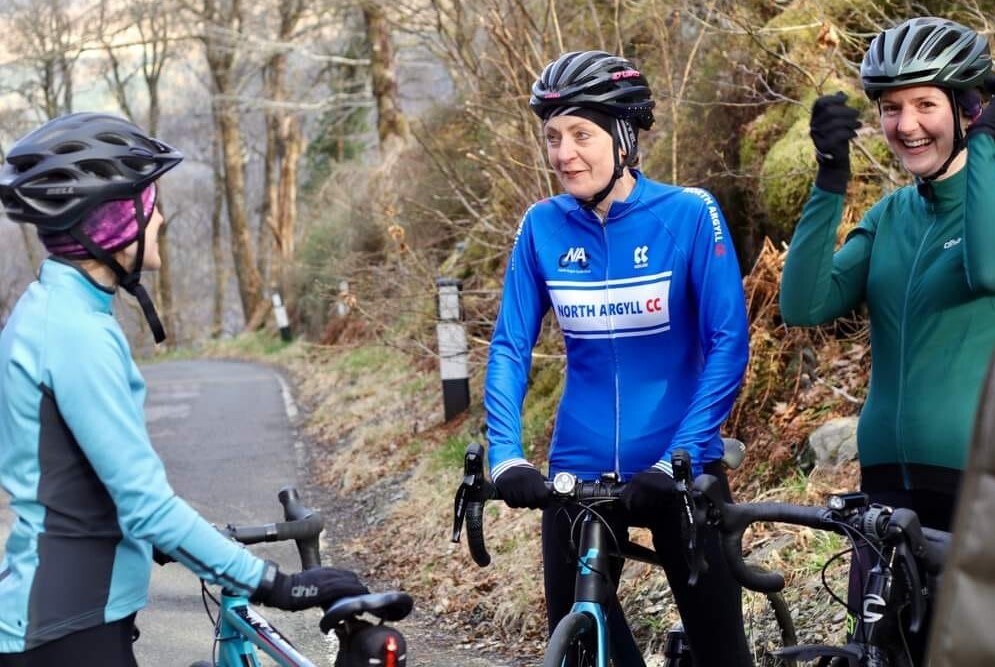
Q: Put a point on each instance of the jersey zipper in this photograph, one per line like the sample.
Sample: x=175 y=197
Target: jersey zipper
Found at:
x=611 y=337
x=903 y=459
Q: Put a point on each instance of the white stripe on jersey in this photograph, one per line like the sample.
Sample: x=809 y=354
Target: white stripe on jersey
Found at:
x=619 y=308
x=601 y=284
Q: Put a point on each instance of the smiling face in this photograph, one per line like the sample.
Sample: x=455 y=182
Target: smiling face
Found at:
x=580 y=154
x=918 y=123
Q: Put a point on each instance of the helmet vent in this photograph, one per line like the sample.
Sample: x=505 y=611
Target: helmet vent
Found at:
x=142 y=166
x=109 y=138
x=99 y=168
x=23 y=163
x=69 y=147
x=946 y=41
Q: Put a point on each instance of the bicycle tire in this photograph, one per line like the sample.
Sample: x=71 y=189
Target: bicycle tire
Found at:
x=768 y=626
x=573 y=643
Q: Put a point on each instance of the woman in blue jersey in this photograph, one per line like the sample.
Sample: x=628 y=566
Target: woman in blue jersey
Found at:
x=88 y=492
x=643 y=280
x=920 y=259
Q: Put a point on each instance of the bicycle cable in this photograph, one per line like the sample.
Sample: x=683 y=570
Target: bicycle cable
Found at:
x=825 y=583
x=575 y=521
x=205 y=594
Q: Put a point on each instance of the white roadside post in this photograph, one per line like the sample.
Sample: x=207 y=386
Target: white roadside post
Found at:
x=453 y=366
x=282 y=322
x=342 y=305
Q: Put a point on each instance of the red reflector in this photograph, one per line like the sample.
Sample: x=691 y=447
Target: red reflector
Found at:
x=391 y=656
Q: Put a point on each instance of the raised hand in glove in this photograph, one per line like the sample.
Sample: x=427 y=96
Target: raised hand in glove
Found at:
x=523 y=486
x=320 y=587
x=832 y=126
x=647 y=493
x=985 y=123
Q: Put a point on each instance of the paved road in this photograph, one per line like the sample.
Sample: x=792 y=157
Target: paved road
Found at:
x=225 y=434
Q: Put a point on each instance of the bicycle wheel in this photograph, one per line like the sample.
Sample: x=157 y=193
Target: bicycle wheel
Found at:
x=574 y=643
x=768 y=626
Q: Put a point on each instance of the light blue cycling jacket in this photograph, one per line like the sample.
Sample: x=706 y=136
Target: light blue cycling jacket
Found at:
x=651 y=307
x=89 y=494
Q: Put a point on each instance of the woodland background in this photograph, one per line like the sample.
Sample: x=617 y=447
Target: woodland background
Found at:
x=346 y=153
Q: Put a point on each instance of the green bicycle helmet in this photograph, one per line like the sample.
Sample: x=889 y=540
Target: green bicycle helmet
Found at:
x=925 y=51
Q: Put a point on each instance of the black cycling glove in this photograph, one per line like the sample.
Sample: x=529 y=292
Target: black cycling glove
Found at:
x=832 y=126
x=523 y=486
x=320 y=587
x=985 y=123
x=646 y=493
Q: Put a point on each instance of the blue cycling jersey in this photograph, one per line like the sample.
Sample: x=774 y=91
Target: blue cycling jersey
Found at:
x=88 y=492
x=650 y=303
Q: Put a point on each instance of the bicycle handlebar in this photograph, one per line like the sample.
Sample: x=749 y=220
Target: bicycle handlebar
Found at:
x=303 y=526
x=899 y=527
x=475 y=490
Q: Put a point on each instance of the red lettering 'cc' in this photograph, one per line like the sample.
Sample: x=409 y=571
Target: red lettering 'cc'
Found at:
x=653 y=305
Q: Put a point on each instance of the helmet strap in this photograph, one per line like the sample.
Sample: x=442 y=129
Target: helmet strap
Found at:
x=128 y=280
x=924 y=185
x=620 y=165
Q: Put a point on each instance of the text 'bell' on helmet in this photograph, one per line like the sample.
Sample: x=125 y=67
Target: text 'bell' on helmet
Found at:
x=598 y=80
x=58 y=173
x=926 y=51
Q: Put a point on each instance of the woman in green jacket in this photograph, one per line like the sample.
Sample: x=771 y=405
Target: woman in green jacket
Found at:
x=918 y=260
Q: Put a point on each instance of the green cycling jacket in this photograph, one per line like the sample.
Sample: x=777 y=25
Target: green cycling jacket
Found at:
x=926 y=270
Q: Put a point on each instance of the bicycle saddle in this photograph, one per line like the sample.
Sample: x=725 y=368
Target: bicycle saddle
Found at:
x=390 y=606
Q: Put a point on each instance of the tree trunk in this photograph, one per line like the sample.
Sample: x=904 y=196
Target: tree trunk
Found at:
x=249 y=281
x=217 y=251
x=392 y=126
x=293 y=143
x=267 y=227
x=221 y=58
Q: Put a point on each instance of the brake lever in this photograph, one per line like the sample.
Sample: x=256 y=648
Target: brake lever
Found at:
x=904 y=526
x=680 y=462
x=471 y=489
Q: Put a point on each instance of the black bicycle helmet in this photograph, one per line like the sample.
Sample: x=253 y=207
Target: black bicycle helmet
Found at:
x=72 y=164
x=925 y=51
x=598 y=80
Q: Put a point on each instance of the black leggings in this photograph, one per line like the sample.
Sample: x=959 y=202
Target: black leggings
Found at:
x=711 y=611
x=107 y=645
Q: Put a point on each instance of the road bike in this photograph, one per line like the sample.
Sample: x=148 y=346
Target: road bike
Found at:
x=582 y=637
x=896 y=593
x=240 y=629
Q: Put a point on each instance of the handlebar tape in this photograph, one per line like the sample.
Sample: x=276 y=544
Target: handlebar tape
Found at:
x=299 y=530
x=294 y=510
x=475 y=534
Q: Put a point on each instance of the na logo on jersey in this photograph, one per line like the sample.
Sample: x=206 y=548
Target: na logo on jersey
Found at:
x=576 y=256
x=640 y=257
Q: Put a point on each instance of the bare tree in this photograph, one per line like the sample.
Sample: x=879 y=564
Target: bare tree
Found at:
x=48 y=40
x=150 y=21
x=222 y=26
x=392 y=126
x=284 y=145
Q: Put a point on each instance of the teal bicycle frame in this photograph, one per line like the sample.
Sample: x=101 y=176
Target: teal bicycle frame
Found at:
x=592 y=590
x=241 y=629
